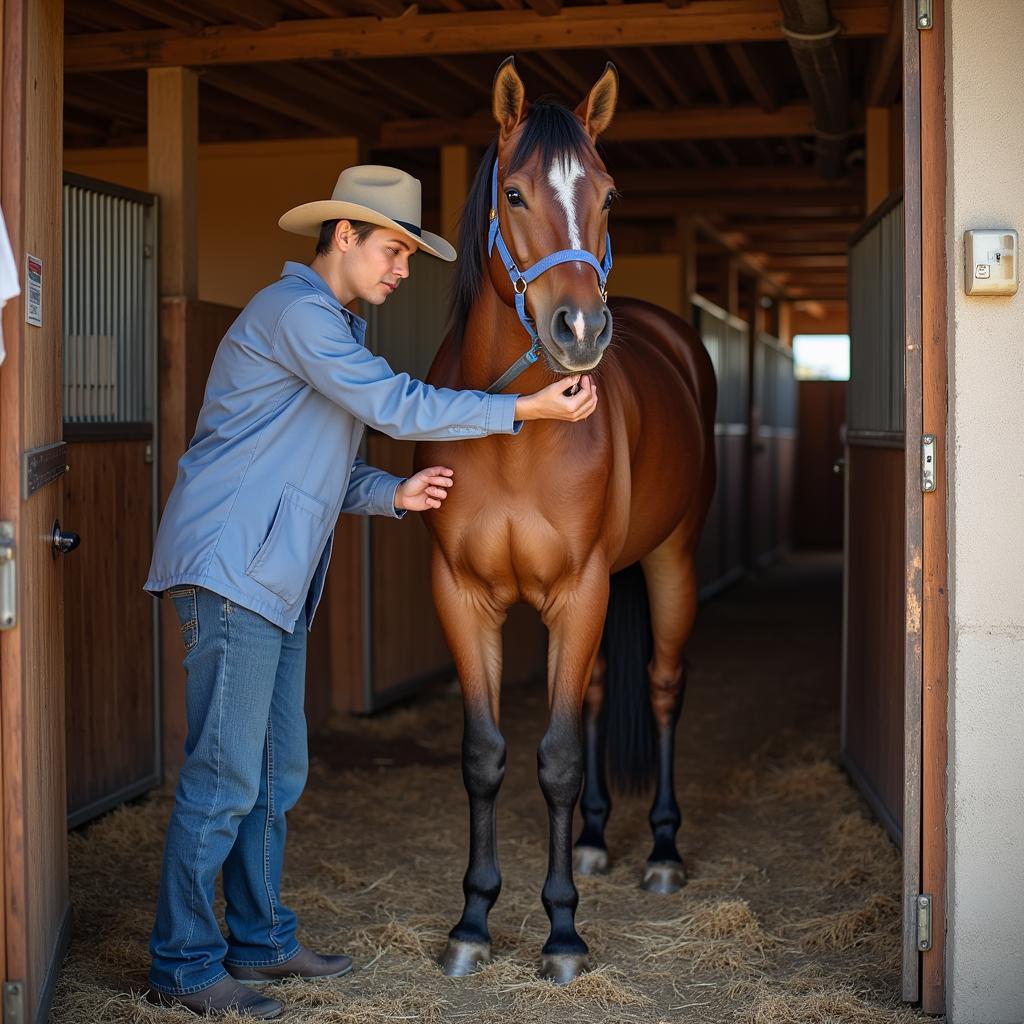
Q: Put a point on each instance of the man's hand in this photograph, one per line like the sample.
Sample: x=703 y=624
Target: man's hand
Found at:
x=426 y=489
x=551 y=403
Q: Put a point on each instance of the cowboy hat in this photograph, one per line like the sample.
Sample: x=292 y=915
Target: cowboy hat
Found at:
x=376 y=194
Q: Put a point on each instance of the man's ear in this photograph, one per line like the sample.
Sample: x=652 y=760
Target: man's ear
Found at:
x=508 y=97
x=598 y=107
x=342 y=235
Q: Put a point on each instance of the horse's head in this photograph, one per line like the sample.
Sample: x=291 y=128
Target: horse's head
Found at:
x=553 y=195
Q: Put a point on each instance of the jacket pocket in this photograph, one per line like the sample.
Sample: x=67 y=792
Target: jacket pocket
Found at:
x=285 y=558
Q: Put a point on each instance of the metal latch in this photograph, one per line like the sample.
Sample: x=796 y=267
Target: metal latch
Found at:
x=924 y=921
x=927 y=462
x=924 y=13
x=14 y=1002
x=8 y=578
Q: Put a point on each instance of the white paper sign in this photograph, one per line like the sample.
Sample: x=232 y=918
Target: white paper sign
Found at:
x=33 y=290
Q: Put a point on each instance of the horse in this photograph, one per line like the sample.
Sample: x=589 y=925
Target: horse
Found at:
x=552 y=516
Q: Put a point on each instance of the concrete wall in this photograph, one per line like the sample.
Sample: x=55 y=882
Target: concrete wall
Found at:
x=985 y=99
x=244 y=187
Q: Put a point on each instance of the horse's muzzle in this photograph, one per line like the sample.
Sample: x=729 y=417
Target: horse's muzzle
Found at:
x=580 y=336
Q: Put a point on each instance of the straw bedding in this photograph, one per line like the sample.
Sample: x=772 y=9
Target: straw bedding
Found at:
x=791 y=913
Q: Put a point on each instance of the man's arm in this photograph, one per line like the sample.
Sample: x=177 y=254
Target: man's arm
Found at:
x=371 y=491
x=313 y=342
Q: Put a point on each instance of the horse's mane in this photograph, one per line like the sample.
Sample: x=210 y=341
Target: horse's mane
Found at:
x=557 y=133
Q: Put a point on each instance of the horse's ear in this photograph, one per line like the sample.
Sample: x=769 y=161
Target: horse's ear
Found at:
x=598 y=106
x=508 y=97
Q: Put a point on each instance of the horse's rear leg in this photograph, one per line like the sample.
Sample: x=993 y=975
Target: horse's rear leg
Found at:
x=672 y=589
x=474 y=635
x=590 y=857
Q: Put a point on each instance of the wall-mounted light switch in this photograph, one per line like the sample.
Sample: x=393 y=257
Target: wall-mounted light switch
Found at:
x=990 y=262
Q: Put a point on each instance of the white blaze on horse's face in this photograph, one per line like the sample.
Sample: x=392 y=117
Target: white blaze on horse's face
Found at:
x=563 y=175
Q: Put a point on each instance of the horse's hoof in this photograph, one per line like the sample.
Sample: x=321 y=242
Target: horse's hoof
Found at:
x=461 y=958
x=590 y=860
x=664 y=876
x=561 y=968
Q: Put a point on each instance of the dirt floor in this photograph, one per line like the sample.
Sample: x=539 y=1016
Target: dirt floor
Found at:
x=791 y=913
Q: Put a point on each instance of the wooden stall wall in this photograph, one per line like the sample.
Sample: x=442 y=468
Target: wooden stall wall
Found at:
x=874 y=636
x=818 y=500
x=772 y=450
x=720 y=556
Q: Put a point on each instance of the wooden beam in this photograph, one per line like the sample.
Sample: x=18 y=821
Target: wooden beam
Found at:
x=632 y=67
x=878 y=157
x=883 y=79
x=546 y=7
x=686 y=246
x=708 y=64
x=817 y=261
x=251 y=13
x=265 y=95
x=669 y=79
x=641 y=24
x=456 y=175
x=628 y=126
x=795 y=204
x=763 y=85
x=166 y=14
x=172 y=154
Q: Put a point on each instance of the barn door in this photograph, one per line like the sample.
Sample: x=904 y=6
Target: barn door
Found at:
x=35 y=911
x=895 y=603
x=109 y=378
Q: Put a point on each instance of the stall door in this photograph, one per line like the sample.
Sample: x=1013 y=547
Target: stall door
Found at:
x=109 y=379
x=896 y=597
x=35 y=912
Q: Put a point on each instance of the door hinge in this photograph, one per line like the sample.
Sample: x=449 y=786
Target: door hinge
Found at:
x=8 y=578
x=14 y=1002
x=927 y=462
x=923 y=902
x=924 y=14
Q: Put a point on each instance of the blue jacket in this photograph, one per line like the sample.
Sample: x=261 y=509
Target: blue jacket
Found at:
x=273 y=461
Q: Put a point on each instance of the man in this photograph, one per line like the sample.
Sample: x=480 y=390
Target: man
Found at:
x=242 y=552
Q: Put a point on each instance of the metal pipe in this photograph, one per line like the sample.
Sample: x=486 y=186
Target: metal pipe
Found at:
x=812 y=34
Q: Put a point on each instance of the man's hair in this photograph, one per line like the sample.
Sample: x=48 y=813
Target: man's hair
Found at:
x=360 y=228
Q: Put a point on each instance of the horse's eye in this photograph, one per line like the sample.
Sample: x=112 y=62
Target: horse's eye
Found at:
x=513 y=197
x=611 y=197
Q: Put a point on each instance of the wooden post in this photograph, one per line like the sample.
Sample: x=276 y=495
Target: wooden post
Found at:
x=785 y=323
x=172 y=147
x=455 y=182
x=172 y=151
x=686 y=246
x=878 y=156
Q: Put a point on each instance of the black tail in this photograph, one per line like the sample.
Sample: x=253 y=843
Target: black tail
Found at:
x=627 y=722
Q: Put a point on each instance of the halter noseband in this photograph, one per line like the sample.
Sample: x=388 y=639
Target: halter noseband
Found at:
x=522 y=278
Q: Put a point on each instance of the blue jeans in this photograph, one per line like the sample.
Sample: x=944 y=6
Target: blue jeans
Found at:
x=245 y=767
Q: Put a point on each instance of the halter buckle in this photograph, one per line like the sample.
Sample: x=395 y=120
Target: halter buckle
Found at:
x=492 y=214
x=517 y=282
x=604 y=293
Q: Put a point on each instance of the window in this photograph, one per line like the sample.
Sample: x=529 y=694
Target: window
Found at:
x=822 y=356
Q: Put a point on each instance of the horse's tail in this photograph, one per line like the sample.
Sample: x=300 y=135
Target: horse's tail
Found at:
x=627 y=723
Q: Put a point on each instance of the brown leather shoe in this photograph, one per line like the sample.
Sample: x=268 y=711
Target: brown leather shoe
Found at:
x=305 y=964
x=220 y=998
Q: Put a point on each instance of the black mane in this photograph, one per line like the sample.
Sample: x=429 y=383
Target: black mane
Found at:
x=557 y=133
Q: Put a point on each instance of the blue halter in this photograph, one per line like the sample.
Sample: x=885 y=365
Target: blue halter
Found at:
x=522 y=278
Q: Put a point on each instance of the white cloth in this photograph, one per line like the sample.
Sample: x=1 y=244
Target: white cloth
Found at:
x=9 y=285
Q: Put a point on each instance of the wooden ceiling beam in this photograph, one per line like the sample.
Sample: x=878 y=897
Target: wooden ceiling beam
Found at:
x=641 y=24
x=567 y=71
x=710 y=67
x=763 y=85
x=669 y=80
x=633 y=68
x=166 y=14
x=546 y=8
x=746 y=178
x=627 y=126
x=265 y=95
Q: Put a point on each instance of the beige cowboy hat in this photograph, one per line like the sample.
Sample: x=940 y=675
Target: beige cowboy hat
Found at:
x=378 y=195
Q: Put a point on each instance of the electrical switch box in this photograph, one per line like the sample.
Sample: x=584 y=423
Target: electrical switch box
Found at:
x=990 y=262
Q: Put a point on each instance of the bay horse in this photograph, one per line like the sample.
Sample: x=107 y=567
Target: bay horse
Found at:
x=549 y=517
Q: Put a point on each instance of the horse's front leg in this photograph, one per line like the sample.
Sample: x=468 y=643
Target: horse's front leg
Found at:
x=473 y=629
x=575 y=620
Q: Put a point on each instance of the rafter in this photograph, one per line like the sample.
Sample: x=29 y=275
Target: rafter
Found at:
x=763 y=85
x=668 y=79
x=641 y=24
x=628 y=126
x=746 y=178
x=709 y=65
x=634 y=69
